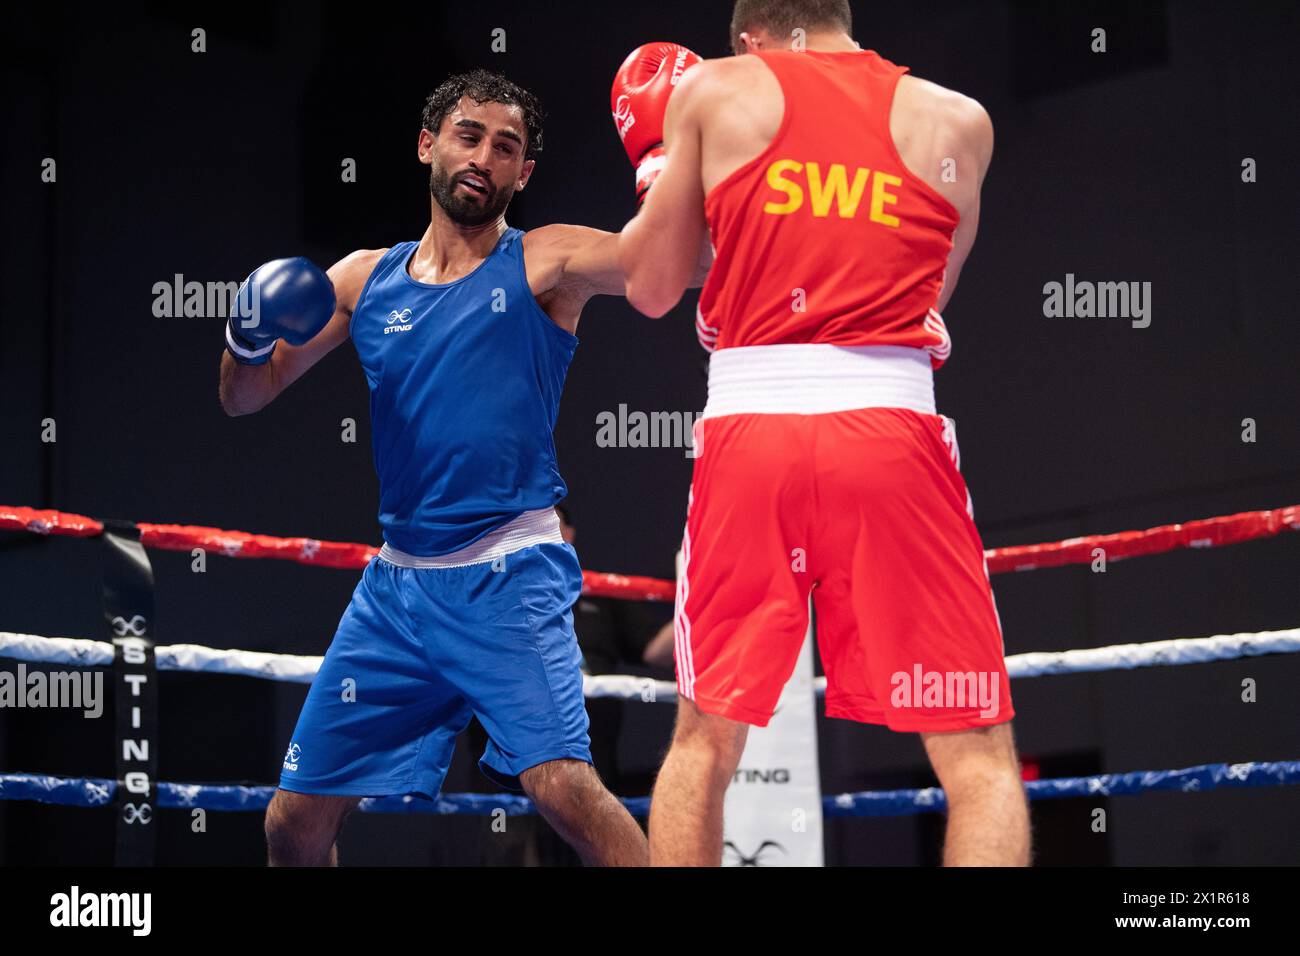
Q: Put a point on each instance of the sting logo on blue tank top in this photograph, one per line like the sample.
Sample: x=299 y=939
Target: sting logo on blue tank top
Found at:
x=398 y=317
x=465 y=380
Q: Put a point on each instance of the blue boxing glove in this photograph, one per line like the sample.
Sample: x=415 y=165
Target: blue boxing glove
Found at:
x=290 y=299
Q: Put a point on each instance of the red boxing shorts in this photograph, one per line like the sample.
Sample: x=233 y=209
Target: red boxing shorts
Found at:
x=865 y=510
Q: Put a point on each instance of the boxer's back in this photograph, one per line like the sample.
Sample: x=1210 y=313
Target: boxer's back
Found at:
x=827 y=200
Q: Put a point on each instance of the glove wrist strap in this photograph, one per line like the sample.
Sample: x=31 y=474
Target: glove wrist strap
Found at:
x=245 y=352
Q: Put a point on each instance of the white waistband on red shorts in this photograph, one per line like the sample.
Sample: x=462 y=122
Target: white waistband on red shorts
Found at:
x=527 y=529
x=813 y=379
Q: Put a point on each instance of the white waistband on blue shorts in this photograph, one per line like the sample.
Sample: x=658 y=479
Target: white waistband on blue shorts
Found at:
x=813 y=379
x=524 y=531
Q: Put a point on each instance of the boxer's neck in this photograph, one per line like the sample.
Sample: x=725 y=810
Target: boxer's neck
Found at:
x=448 y=251
x=831 y=42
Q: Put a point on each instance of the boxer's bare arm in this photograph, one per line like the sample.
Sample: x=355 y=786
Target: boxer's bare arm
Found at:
x=938 y=131
x=245 y=389
x=567 y=265
x=578 y=259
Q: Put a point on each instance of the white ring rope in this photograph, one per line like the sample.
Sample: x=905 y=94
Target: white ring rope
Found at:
x=301 y=669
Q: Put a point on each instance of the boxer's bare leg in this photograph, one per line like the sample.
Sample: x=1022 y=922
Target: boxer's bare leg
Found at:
x=988 y=814
x=686 y=810
x=301 y=828
x=570 y=796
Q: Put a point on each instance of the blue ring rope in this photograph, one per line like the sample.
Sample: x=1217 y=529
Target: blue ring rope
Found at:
x=85 y=792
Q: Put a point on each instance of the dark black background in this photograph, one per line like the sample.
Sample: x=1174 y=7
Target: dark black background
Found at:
x=1122 y=166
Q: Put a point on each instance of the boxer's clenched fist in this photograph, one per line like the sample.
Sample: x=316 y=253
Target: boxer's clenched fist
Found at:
x=639 y=100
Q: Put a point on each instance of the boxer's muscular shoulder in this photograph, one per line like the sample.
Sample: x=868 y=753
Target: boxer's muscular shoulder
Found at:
x=725 y=75
x=919 y=103
x=931 y=124
x=740 y=106
x=735 y=92
x=547 y=249
x=349 y=276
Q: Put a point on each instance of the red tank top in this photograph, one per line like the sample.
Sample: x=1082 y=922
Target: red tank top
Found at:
x=826 y=236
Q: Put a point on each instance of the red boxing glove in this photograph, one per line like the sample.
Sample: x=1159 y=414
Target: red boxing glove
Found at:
x=639 y=101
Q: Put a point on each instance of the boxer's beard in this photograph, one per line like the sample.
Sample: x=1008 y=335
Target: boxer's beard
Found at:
x=461 y=209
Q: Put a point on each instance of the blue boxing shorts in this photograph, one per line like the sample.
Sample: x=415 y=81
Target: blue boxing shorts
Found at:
x=422 y=647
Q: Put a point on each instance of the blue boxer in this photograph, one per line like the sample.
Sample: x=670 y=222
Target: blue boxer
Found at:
x=467 y=610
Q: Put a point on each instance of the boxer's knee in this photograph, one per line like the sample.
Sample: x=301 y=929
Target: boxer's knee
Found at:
x=301 y=828
x=701 y=729
x=564 y=787
x=708 y=741
x=975 y=763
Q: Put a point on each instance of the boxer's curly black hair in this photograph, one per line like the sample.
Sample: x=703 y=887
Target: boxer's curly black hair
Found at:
x=484 y=86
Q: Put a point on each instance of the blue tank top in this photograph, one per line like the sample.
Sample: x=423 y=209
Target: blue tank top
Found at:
x=465 y=380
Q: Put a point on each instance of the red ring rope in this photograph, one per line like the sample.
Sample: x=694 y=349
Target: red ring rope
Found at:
x=1205 y=533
